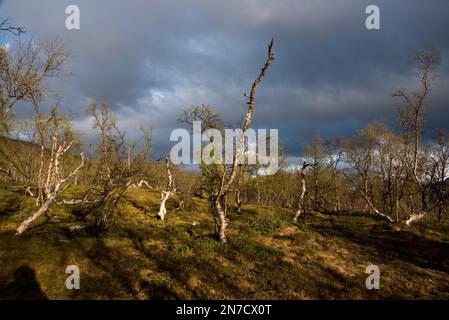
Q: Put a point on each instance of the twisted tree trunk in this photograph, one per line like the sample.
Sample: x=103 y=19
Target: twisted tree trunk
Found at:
x=169 y=190
x=302 y=194
x=218 y=203
x=54 y=187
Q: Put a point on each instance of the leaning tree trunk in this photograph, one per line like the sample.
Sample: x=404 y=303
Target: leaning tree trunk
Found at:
x=54 y=184
x=370 y=204
x=169 y=190
x=42 y=209
x=302 y=194
x=227 y=181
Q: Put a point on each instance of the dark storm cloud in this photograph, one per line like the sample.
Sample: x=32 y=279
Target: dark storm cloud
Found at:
x=152 y=58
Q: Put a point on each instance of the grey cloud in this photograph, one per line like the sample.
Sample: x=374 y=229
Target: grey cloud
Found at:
x=152 y=58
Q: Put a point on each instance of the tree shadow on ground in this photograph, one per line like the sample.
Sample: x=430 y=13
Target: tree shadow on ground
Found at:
x=400 y=245
x=118 y=273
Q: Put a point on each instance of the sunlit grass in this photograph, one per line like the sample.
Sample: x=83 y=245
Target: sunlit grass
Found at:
x=267 y=255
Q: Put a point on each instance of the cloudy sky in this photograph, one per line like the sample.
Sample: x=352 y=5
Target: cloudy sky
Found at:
x=150 y=59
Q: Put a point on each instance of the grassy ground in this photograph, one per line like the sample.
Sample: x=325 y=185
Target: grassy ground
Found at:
x=267 y=256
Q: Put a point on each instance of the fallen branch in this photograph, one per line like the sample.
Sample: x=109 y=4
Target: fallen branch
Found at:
x=76 y=201
x=144 y=182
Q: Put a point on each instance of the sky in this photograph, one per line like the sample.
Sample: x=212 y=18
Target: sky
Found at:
x=150 y=59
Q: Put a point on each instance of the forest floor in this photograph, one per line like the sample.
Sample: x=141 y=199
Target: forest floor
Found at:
x=267 y=255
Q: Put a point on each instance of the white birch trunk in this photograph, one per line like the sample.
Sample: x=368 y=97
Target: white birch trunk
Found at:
x=415 y=217
x=144 y=182
x=43 y=209
x=299 y=212
x=54 y=187
x=221 y=213
x=162 y=209
x=226 y=182
x=168 y=191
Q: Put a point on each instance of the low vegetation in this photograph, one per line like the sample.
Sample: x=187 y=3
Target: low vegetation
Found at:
x=267 y=255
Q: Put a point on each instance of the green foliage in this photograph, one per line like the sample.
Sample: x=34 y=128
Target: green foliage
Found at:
x=266 y=256
x=252 y=250
x=209 y=246
x=181 y=250
x=263 y=222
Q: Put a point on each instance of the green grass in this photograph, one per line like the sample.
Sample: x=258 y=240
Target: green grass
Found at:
x=266 y=257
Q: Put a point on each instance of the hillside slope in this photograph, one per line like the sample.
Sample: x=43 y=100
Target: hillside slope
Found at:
x=267 y=255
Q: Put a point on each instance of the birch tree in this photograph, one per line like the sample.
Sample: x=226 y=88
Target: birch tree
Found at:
x=228 y=175
x=361 y=154
x=315 y=152
x=117 y=163
x=24 y=72
x=300 y=212
x=55 y=143
x=169 y=190
x=412 y=125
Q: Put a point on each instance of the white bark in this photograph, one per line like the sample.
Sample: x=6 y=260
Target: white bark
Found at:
x=369 y=203
x=53 y=190
x=29 y=192
x=227 y=181
x=77 y=227
x=415 y=217
x=76 y=201
x=180 y=206
x=221 y=213
x=162 y=209
x=374 y=209
x=144 y=182
x=167 y=192
x=43 y=208
x=302 y=193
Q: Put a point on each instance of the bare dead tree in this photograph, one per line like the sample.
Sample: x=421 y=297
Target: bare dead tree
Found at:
x=227 y=179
